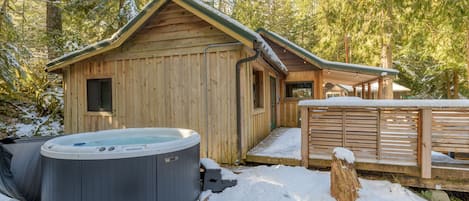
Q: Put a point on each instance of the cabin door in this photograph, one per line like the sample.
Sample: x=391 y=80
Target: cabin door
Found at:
x=273 y=103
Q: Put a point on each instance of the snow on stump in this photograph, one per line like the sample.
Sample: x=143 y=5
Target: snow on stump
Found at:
x=344 y=179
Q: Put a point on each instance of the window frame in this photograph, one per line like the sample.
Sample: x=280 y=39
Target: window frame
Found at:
x=299 y=82
x=101 y=111
x=258 y=73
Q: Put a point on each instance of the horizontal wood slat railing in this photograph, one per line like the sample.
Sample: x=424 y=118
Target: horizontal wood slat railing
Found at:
x=384 y=133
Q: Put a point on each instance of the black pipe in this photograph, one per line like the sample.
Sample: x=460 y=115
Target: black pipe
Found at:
x=238 y=98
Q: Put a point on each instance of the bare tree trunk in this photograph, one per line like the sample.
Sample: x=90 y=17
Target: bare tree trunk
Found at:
x=448 y=85
x=467 y=57
x=347 y=52
x=54 y=29
x=456 y=84
x=3 y=11
x=386 y=51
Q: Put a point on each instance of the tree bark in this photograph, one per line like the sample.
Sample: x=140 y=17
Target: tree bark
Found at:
x=54 y=29
x=455 y=84
x=347 y=52
x=386 y=51
x=3 y=11
x=448 y=85
x=344 y=180
x=467 y=57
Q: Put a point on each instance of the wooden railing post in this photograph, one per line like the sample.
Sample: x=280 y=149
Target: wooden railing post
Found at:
x=378 y=134
x=304 y=137
x=363 y=91
x=369 y=91
x=425 y=143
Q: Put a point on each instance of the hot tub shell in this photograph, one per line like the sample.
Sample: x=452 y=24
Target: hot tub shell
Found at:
x=160 y=171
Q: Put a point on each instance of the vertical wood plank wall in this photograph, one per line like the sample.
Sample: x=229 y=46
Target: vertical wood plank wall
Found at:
x=289 y=111
x=158 y=80
x=255 y=122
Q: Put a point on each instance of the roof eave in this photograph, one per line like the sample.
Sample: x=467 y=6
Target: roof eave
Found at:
x=322 y=63
x=108 y=44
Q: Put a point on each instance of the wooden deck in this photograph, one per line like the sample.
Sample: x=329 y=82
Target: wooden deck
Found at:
x=446 y=176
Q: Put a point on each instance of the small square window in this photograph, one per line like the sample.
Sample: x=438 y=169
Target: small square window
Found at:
x=299 y=90
x=258 y=88
x=99 y=95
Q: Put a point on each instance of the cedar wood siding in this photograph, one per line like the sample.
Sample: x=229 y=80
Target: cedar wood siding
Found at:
x=289 y=110
x=158 y=80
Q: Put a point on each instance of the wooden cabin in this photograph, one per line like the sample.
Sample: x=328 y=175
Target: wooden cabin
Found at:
x=175 y=65
x=308 y=72
x=181 y=63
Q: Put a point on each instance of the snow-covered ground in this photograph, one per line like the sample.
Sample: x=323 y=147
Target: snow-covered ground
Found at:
x=30 y=123
x=285 y=183
x=6 y=198
x=281 y=143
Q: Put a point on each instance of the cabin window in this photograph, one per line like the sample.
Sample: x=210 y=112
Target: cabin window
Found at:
x=99 y=95
x=299 y=90
x=257 y=88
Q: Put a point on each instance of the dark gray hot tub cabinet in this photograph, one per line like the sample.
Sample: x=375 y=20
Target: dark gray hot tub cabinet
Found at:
x=170 y=176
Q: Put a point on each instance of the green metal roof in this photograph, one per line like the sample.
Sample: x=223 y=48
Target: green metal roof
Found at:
x=322 y=63
x=215 y=15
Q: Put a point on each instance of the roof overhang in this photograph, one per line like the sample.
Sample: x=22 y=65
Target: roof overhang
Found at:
x=334 y=71
x=212 y=16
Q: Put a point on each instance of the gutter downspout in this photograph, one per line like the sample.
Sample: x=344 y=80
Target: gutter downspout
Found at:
x=238 y=99
x=206 y=87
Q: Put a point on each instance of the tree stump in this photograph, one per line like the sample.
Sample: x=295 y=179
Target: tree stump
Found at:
x=344 y=179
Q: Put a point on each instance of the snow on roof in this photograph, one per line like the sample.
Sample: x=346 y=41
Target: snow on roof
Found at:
x=344 y=154
x=325 y=64
x=374 y=87
x=420 y=103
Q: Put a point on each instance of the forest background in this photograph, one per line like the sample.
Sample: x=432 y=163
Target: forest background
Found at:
x=426 y=40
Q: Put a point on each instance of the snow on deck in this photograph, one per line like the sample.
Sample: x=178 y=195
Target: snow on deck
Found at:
x=281 y=143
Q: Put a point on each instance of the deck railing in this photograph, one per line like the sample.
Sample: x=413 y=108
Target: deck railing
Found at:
x=389 y=132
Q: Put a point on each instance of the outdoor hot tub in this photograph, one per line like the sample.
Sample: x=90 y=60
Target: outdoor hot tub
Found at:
x=120 y=165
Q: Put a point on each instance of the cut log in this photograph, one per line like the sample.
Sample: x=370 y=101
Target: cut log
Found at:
x=344 y=179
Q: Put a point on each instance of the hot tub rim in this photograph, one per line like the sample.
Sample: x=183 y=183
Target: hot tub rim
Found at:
x=146 y=149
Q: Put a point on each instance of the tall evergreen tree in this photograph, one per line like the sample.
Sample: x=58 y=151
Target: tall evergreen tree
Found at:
x=54 y=29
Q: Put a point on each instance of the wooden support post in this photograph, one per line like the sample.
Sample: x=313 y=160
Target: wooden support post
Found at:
x=363 y=91
x=344 y=132
x=304 y=137
x=425 y=143
x=369 y=91
x=319 y=83
x=355 y=91
x=380 y=88
x=378 y=135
